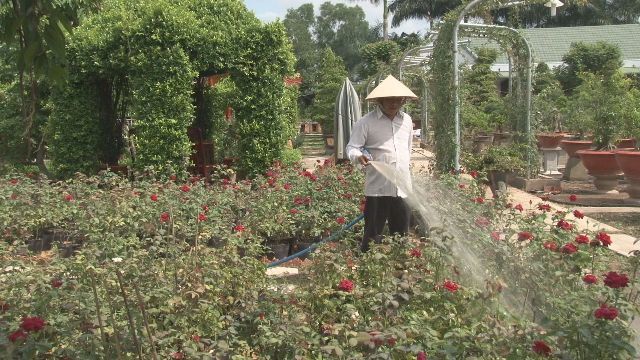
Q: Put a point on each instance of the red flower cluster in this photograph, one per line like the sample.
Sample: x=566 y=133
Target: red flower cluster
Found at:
x=185 y=188
x=154 y=197
x=293 y=211
x=519 y=207
x=205 y=208
x=569 y=248
x=474 y=174
x=451 y=286
x=32 y=323
x=495 y=235
x=582 y=239
x=56 y=283
x=550 y=245
x=202 y=217
x=578 y=214
x=421 y=356
x=239 y=228
x=68 y=197
x=615 y=281
x=541 y=348
x=177 y=355
x=346 y=285
x=590 y=279
x=415 y=252
x=478 y=200
x=604 y=238
x=462 y=186
x=525 y=235
x=573 y=197
x=341 y=220
x=164 y=217
x=302 y=200
x=287 y=186
x=308 y=174
x=564 y=225
x=606 y=312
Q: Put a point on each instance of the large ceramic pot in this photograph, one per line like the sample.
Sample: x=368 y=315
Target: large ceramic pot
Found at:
x=571 y=146
x=574 y=169
x=549 y=141
x=629 y=162
x=626 y=143
x=602 y=165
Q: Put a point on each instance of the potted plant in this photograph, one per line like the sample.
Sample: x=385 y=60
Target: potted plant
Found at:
x=629 y=159
x=603 y=102
x=497 y=163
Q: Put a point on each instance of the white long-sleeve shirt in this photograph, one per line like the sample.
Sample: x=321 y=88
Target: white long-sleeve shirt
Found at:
x=388 y=141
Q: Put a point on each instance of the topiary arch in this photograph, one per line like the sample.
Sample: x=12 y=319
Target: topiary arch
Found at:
x=146 y=60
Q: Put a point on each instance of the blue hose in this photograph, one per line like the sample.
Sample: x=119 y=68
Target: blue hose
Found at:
x=315 y=245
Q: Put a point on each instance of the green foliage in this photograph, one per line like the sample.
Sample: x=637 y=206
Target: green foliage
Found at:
x=332 y=75
x=600 y=58
x=503 y=158
x=549 y=101
x=601 y=106
x=376 y=55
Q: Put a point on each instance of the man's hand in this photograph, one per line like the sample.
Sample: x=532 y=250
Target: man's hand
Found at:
x=364 y=160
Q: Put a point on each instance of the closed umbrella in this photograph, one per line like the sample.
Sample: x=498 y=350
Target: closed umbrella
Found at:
x=347 y=112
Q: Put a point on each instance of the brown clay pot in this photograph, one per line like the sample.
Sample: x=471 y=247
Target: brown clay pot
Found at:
x=603 y=166
x=626 y=143
x=549 y=141
x=571 y=146
x=629 y=162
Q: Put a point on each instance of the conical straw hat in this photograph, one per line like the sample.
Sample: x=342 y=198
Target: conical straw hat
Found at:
x=391 y=87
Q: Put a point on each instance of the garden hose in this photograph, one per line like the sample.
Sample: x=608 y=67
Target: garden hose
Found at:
x=315 y=245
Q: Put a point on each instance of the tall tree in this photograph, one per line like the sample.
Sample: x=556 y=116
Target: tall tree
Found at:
x=385 y=16
x=331 y=75
x=300 y=24
x=429 y=10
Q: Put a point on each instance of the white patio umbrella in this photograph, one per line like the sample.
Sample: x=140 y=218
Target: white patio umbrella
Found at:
x=347 y=112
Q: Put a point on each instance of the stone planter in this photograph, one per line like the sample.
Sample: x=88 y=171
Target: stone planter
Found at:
x=629 y=162
x=482 y=142
x=603 y=166
x=574 y=169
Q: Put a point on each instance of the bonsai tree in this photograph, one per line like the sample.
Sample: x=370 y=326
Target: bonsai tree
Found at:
x=602 y=105
x=631 y=127
x=549 y=102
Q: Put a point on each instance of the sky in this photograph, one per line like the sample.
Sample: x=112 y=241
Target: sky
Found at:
x=269 y=10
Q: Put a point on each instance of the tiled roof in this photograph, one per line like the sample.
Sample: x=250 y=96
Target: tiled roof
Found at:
x=550 y=44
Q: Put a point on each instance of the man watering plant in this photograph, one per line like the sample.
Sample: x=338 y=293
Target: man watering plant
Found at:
x=384 y=136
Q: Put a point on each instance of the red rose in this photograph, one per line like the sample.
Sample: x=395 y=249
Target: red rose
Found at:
x=32 y=323
x=604 y=238
x=185 y=188
x=550 y=245
x=287 y=186
x=341 y=220
x=293 y=211
x=578 y=214
x=195 y=338
x=177 y=355
x=541 y=348
x=13 y=181
x=582 y=239
x=415 y=252
x=606 y=312
x=573 y=197
x=474 y=174
x=239 y=228
x=173 y=178
x=482 y=222
x=68 y=197
x=421 y=356
x=451 y=286
x=544 y=207
x=564 y=225
x=478 y=200
x=202 y=217
x=462 y=186
x=205 y=208
x=590 y=279
x=164 y=217
x=17 y=335
x=519 y=207
x=56 y=283
x=154 y=197
x=615 y=281
x=495 y=235
x=346 y=285
x=525 y=235
x=569 y=248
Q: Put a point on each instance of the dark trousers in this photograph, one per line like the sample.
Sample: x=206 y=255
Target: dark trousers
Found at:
x=377 y=211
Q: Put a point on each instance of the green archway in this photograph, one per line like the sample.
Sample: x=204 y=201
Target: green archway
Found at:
x=144 y=60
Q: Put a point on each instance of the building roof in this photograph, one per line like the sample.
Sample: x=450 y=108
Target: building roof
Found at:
x=550 y=44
